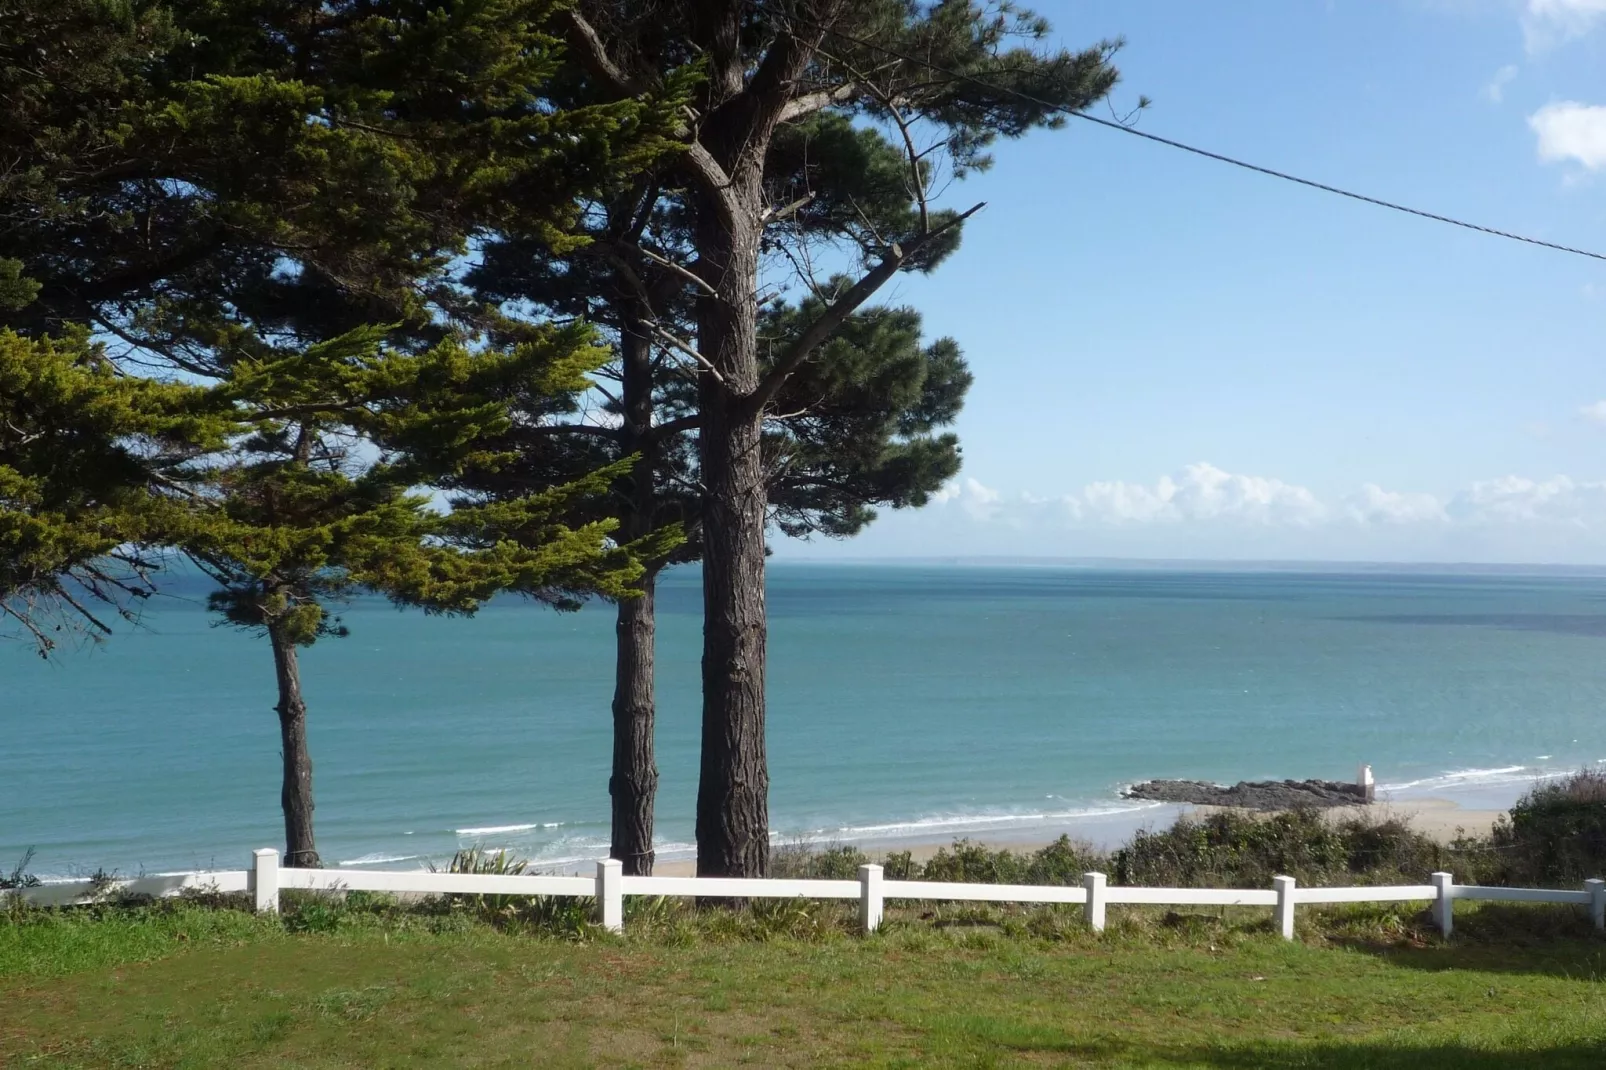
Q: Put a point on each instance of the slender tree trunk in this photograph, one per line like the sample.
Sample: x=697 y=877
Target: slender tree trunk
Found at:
x=733 y=789
x=296 y=796
x=634 y=784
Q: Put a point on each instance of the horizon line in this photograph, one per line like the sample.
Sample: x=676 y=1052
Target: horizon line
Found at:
x=1220 y=563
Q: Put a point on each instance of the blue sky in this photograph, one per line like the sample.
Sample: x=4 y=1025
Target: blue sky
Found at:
x=1176 y=358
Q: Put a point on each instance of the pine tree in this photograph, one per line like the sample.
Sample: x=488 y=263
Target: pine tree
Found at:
x=236 y=190
x=944 y=80
x=89 y=460
x=860 y=429
x=828 y=469
x=299 y=521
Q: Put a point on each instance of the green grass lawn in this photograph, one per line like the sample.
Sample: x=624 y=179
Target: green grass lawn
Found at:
x=189 y=985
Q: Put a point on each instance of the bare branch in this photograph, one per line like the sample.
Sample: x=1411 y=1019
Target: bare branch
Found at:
x=24 y=616
x=684 y=347
x=607 y=394
x=83 y=611
x=804 y=269
x=775 y=215
x=809 y=103
x=572 y=429
x=714 y=180
x=843 y=307
x=595 y=54
x=628 y=273
x=674 y=427
x=684 y=272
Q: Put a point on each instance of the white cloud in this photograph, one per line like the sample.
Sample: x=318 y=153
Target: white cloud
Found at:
x=1569 y=130
x=1204 y=497
x=1203 y=492
x=1558 y=500
x=1496 y=89
x=1374 y=505
x=1548 y=23
x=980 y=502
x=1594 y=412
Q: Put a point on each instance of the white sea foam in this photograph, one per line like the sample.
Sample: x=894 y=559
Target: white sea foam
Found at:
x=496 y=830
x=376 y=859
x=941 y=823
x=1506 y=774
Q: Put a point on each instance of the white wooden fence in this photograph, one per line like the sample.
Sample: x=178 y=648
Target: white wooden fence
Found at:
x=266 y=878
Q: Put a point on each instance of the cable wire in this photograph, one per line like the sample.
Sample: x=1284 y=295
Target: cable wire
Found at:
x=1195 y=150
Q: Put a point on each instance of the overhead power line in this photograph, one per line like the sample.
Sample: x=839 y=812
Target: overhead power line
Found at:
x=1324 y=187
x=1195 y=150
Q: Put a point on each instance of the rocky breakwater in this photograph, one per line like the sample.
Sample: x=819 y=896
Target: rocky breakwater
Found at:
x=1256 y=795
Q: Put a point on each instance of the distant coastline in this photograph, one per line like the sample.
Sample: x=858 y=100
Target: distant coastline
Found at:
x=1212 y=565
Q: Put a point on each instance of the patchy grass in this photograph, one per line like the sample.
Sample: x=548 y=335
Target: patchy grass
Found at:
x=365 y=983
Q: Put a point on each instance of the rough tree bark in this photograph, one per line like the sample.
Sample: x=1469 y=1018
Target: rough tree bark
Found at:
x=733 y=787
x=300 y=849
x=634 y=783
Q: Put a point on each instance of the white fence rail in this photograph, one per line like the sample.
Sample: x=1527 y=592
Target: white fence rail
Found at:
x=266 y=878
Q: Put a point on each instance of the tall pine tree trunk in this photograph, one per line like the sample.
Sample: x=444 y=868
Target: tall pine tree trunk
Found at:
x=300 y=849
x=733 y=787
x=634 y=784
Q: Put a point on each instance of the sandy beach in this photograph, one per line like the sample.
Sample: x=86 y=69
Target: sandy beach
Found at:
x=1442 y=819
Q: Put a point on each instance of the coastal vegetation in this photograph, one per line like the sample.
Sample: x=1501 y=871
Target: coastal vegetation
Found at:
x=1550 y=839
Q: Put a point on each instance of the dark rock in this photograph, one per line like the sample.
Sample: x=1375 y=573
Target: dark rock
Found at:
x=1259 y=795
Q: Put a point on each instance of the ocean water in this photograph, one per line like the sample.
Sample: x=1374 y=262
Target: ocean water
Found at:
x=905 y=702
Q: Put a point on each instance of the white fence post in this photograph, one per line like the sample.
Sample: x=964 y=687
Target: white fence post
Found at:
x=1597 y=901
x=265 y=880
x=1443 y=905
x=870 y=901
x=611 y=895
x=1095 y=884
x=1285 y=905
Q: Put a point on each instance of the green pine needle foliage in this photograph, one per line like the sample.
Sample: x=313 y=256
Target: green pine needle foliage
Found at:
x=89 y=467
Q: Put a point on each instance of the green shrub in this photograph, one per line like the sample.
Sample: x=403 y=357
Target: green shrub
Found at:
x=558 y=915
x=830 y=862
x=900 y=866
x=1233 y=849
x=1062 y=862
x=1556 y=834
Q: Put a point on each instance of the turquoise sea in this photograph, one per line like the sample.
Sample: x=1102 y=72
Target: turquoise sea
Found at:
x=905 y=702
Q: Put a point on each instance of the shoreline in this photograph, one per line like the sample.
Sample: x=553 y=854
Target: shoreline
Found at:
x=1439 y=818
